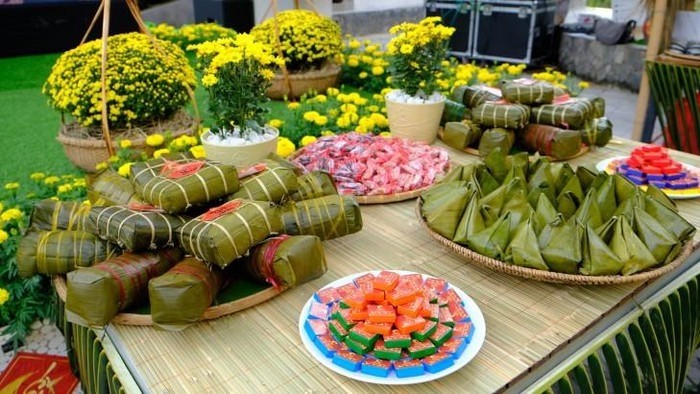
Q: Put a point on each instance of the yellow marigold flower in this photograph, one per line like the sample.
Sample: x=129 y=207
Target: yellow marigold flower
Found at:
x=293 y=105
x=155 y=140
x=332 y=92
x=51 y=180
x=385 y=134
x=124 y=144
x=353 y=62
x=342 y=122
x=344 y=98
x=198 y=152
x=377 y=70
x=160 y=152
x=12 y=186
x=363 y=75
x=64 y=188
x=321 y=120
x=276 y=123
x=310 y=116
x=348 y=108
x=101 y=166
x=125 y=169
x=37 y=176
x=4 y=294
x=360 y=101
x=285 y=147
x=11 y=214
x=583 y=85
x=361 y=129
x=514 y=70
x=367 y=123
x=379 y=119
x=320 y=98
x=354 y=44
x=308 y=139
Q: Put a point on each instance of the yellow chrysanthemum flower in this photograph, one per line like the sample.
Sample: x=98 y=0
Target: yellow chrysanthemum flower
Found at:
x=51 y=180
x=11 y=214
x=37 y=176
x=125 y=170
x=332 y=92
x=321 y=120
x=310 y=116
x=308 y=139
x=64 y=188
x=293 y=105
x=155 y=140
x=377 y=70
x=160 y=152
x=198 y=152
x=285 y=147
x=125 y=144
x=4 y=294
x=12 y=186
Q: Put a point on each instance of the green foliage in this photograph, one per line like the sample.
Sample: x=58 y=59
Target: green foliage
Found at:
x=190 y=34
x=364 y=64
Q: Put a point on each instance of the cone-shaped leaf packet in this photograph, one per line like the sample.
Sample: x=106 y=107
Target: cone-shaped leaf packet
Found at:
x=560 y=243
x=520 y=160
x=461 y=134
x=586 y=176
x=541 y=182
x=523 y=249
x=443 y=206
x=490 y=205
x=588 y=214
x=605 y=196
x=487 y=183
x=96 y=294
x=624 y=188
x=462 y=172
x=180 y=296
x=570 y=197
x=634 y=255
x=662 y=244
x=492 y=241
x=626 y=207
x=59 y=215
x=517 y=181
x=326 y=217
x=517 y=206
x=598 y=258
x=287 y=260
x=263 y=182
x=496 y=138
x=669 y=219
x=658 y=195
x=563 y=173
x=471 y=223
x=544 y=213
x=495 y=163
x=314 y=185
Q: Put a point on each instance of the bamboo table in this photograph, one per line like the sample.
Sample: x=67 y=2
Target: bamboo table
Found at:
x=536 y=333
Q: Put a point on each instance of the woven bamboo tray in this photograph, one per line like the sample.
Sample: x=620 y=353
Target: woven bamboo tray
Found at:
x=229 y=303
x=548 y=276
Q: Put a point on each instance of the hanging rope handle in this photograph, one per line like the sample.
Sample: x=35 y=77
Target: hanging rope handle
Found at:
x=104 y=10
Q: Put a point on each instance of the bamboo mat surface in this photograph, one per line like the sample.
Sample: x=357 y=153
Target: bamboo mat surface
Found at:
x=259 y=349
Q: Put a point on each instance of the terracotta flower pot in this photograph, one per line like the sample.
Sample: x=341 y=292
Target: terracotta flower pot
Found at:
x=317 y=80
x=417 y=122
x=242 y=156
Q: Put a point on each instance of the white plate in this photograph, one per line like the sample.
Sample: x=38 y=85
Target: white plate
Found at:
x=473 y=347
x=676 y=194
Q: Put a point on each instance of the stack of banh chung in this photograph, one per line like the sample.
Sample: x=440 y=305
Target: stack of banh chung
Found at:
x=177 y=231
x=534 y=115
x=549 y=216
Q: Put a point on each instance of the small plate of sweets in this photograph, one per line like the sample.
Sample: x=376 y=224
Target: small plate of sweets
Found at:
x=652 y=165
x=392 y=327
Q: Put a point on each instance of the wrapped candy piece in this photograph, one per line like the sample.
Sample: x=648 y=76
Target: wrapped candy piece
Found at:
x=460 y=135
x=662 y=244
x=61 y=251
x=227 y=232
x=523 y=249
x=544 y=213
x=669 y=219
x=471 y=222
x=570 y=197
x=454 y=112
x=550 y=141
x=588 y=213
x=560 y=244
x=180 y=296
x=443 y=207
x=598 y=132
x=572 y=114
x=287 y=260
x=314 y=185
x=59 y=215
x=109 y=188
x=496 y=138
x=509 y=116
x=473 y=96
x=493 y=240
x=528 y=92
x=266 y=184
x=136 y=228
x=325 y=217
x=96 y=294
x=598 y=258
x=178 y=187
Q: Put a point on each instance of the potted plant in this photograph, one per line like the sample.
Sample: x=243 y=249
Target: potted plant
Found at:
x=236 y=72
x=310 y=44
x=147 y=87
x=416 y=52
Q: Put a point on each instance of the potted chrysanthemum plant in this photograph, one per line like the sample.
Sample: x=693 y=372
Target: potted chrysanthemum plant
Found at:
x=146 y=83
x=416 y=52
x=310 y=44
x=236 y=72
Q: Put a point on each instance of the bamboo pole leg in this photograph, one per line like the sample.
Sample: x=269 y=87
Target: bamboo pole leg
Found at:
x=105 y=35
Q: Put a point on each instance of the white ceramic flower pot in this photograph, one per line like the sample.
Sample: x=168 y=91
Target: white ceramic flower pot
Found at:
x=417 y=122
x=241 y=156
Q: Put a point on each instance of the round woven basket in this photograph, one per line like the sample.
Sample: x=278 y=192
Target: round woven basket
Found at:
x=548 y=276
x=85 y=146
x=316 y=80
x=213 y=312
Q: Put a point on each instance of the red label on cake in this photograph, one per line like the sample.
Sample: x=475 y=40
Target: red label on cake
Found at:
x=143 y=207
x=562 y=99
x=221 y=210
x=252 y=170
x=173 y=170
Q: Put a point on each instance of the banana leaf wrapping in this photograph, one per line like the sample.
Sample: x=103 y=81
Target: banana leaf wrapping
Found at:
x=571 y=115
x=496 y=138
x=460 y=135
x=59 y=215
x=227 y=232
x=143 y=171
x=528 y=93
x=669 y=219
x=136 y=228
x=662 y=243
x=178 y=187
x=472 y=222
x=523 y=249
x=509 y=116
x=598 y=107
x=550 y=141
x=267 y=184
x=287 y=261
x=325 y=217
x=110 y=188
x=598 y=132
x=454 y=112
x=96 y=294
x=560 y=243
x=443 y=206
x=180 y=296
x=493 y=240
x=472 y=96
x=598 y=257
x=275 y=160
x=314 y=185
x=61 y=251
